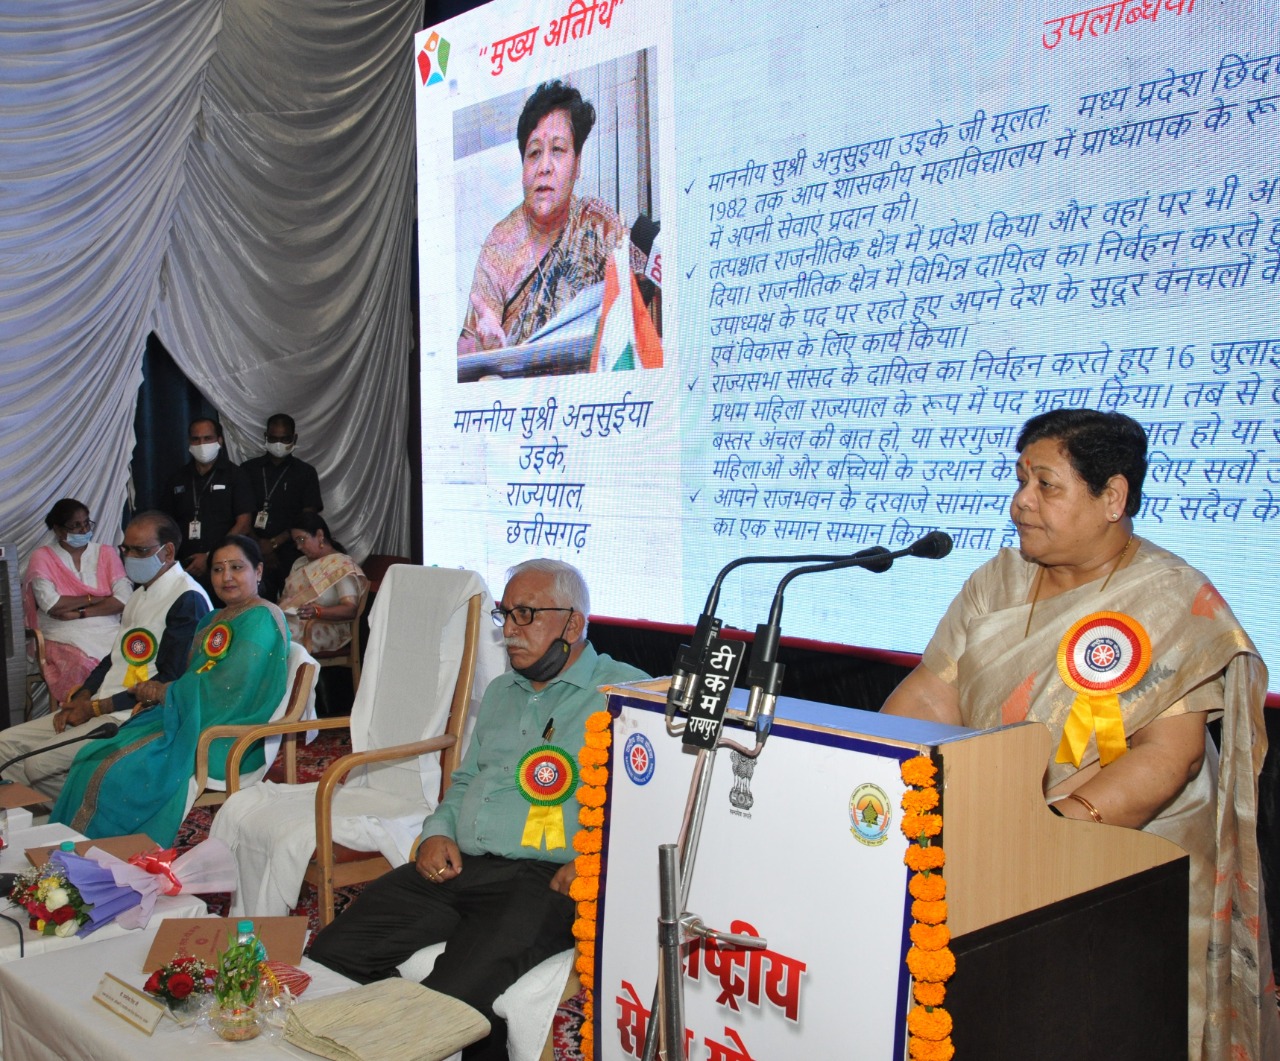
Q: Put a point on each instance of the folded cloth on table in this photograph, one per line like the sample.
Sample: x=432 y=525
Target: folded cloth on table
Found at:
x=391 y=1020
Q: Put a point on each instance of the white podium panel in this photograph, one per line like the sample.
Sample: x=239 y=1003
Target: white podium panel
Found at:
x=801 y=846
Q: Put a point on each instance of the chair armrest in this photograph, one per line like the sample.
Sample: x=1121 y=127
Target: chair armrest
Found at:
x=339 y=769
x=256 y=733
x=213 y=733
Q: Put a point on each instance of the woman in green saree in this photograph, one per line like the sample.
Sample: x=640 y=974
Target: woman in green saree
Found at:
x=137 y=781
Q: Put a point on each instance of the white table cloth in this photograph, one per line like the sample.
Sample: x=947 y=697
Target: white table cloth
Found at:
x=47 y=1012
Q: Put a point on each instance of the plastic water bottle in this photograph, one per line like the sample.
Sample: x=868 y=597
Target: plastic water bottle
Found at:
x=246 y=934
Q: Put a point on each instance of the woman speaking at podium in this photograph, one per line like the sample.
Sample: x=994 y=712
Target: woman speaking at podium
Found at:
x=1126 y=653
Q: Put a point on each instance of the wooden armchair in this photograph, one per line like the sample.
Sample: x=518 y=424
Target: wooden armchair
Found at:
x=299 y=689
x=349 y=655
x=333 y=865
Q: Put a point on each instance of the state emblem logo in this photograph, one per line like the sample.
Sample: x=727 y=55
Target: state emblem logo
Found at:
x=869 y=814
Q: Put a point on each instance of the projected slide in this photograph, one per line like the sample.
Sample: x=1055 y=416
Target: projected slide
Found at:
x=841 y=252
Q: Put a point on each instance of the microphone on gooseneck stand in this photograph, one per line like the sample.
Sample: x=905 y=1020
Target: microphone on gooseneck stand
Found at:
x=691 y=659
x=764 y=677
x=108 y=729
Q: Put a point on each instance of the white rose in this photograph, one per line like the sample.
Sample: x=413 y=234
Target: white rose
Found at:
x=67 y=928
x=56 y=898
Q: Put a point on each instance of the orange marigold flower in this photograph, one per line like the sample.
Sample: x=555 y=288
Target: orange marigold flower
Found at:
x=584 y=929
x=587 y=980
x=928 y=886
x=583 y=964
x=928 y=1050
x=598 y=721
x=917 y=825
x=932 y=965
x=929 y=1023
x=590 y=756
x=587 y=948
x=929 y=994
x=591 y=796
x=587 y=865
x=584 y=889
x=587 y=909
x=591 y=817
x=919 y=771
x=594 y=775
x=931 y=857
x=930 y=937
x=918 y=801
x=929 y=913
x=598 y=741
x=587 y=841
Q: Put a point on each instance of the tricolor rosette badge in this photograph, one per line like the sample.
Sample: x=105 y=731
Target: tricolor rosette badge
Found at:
x=1100 y=657
x=139 y=648
x=216 y=644
x=547 y=776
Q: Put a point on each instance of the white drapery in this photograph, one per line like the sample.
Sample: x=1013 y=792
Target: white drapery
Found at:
x=238 y=177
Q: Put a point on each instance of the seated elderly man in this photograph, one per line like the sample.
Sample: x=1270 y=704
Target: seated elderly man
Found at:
x=493 y=869
x=156 y=628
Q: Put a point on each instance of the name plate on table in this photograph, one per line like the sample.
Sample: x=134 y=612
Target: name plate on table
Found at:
x=128 y=1003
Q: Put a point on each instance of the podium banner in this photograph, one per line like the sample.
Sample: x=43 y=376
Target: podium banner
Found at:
x=801 y=846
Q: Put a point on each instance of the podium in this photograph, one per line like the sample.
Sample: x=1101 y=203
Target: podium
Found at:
x=1070 y=937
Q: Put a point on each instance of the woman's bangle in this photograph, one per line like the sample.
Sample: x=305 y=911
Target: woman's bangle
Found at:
x=1093 y=811
x=317 y=611
x=96 y=707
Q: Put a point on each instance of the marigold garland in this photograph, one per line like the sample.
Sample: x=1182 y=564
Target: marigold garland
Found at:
x=929 y=960
x=593 y=761
x=927 y=886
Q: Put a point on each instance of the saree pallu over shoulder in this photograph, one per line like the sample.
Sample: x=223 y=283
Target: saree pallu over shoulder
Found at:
x=1188 y=652
x=136 y=781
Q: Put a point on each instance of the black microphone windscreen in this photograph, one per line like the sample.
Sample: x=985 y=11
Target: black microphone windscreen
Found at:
x=933 y=546
x=875 y=550
x=107 y=729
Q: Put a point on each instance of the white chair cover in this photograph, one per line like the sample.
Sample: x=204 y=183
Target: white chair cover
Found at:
x=405 y=692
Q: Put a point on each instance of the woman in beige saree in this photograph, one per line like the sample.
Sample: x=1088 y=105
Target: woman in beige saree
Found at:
x=321 y=597
x=1125 y=653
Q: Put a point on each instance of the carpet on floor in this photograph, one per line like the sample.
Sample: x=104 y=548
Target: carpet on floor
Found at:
x=312 y=760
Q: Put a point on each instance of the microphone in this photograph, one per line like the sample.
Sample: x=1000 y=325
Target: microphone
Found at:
x=108 y=729
x=643 y=233
x=764 y=678
x=691 y=659
x=933 y=546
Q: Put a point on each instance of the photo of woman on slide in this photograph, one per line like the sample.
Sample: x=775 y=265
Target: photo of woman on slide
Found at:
x=542 y=278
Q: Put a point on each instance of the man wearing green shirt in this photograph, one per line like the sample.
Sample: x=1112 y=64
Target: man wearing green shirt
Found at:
x=492 y=874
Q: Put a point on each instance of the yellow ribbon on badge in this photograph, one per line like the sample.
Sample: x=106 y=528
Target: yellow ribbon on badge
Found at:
x=546 y=776
x=544 y=822
x=1100 y=657
x=138 y=646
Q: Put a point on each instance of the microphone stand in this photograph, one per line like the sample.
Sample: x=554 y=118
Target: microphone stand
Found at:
x=108 y=729
x=676 y=861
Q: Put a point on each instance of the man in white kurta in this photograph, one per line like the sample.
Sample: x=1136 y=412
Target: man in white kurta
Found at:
x=156 y=628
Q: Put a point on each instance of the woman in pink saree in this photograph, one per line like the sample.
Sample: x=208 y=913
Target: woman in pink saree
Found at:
x=73 y=591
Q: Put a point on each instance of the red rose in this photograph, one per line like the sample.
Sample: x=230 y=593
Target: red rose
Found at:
x=39 y=910
x=62 y=915
x=181 y=985
x=153 y=983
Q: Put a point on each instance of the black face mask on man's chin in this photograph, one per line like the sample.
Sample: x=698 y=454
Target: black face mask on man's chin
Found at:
x=551 y=662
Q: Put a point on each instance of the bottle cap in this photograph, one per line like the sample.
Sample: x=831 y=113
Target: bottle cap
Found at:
x=244 y=926
x=67 y=845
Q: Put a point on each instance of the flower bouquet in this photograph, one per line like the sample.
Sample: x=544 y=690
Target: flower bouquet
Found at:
x=182 y=984
x=54 y=904
x=126 y=892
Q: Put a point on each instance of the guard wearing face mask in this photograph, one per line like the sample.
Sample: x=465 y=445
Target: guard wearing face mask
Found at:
x=209 y=497
x=283 y=488
x=151 y=650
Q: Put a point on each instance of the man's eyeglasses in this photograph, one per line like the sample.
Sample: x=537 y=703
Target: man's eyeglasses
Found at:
x=83 y=526
x=521 y=614
x=140 y=551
